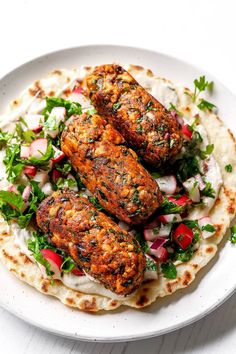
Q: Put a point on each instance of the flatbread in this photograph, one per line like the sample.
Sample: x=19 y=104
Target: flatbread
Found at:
x=221 y=214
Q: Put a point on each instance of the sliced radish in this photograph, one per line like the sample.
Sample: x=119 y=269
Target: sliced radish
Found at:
x=183 y=236
x=56 y=175
x=57 y=116
x=156 y=248
x=12 y=188
x=187 y=131
x=162 y=254
x=183 y=200
x=81 y=99
x=41 y=177
x=55 y=261
x=191 y=185
x=30 y=171
x=201 y=184
x=26 y=193
x=58 y=155
x=77 y=89
x=38 y=148
x=77 y=272
x=169 y=218
x=47 y=188
x=204 y=222
x=149 y=235
x=167 y=184
x=24 y=152
x=164 y=230
x=149 y=273
x=34 y=122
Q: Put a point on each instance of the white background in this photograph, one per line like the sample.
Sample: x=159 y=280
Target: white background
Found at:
x=201 y=32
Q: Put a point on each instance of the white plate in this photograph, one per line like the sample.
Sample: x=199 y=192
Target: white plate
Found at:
x=213 y=285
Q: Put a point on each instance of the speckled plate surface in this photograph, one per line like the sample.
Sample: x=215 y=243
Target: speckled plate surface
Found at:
x=213 y=285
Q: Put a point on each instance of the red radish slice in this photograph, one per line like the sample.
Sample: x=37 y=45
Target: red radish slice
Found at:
x=56 y=175
x=164 y=230
x=191 y=186
x=156 y=248
x=77 y=272
x=38 y=148
x=12 y=188
x=55 y=261
x=170 y=218
x=162 y=254
x=59 y=113
x=30 y=171
x=183 y=236
x=41 y=177
x=47 y=188
x=24 y=152
x=203 y=222
x=26 y=193
x=58 y=155
x=167 y=184
x=149 y=235
x=187 y=131
x=34 y=122
x=77 y=90
x=201 y=184
x=184 y=200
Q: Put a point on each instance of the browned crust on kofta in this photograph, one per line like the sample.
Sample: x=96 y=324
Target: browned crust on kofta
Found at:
x=143 y=121
x=110 y=170
x=96 y=243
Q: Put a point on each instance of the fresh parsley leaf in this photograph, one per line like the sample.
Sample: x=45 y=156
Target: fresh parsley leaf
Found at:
x=169 y=270
x=66 y=183
x=168 y=207
x=68 y=265
x=13 y=199
x=208 y=151
x=209 y=228
x=4 y=138
x=228 y=168
x=151 y=264
x=233 y=234
x=91 y=111
x=185 y=255
x=208 y=191
x=13 y=167
x=203 y=105
x=142 y=242
x=191 y=223
x=64 y=169
x=51 y=123
x=71 y=107
x=201 y=85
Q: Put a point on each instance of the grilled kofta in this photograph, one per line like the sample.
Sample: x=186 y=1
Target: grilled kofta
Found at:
x=109 y=169
x=95 y=242
x=144 y=122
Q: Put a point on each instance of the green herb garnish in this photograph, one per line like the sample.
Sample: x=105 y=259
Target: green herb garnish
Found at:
x=228 y=168
x=233 y=234
x=71 y=107
x=169 y=270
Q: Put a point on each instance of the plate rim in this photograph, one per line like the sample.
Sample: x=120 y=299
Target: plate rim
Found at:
x=150 y=334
